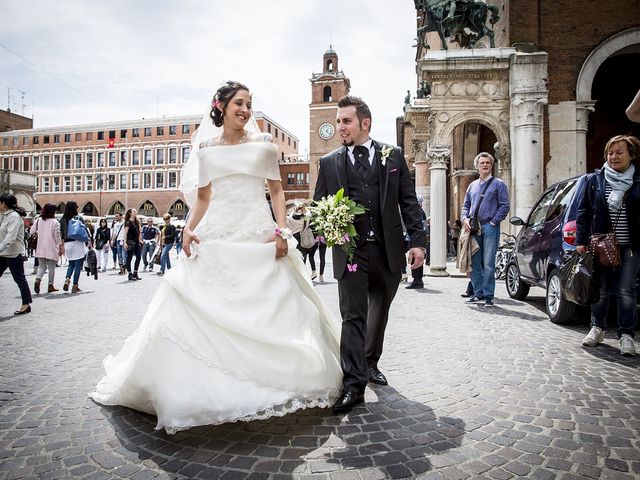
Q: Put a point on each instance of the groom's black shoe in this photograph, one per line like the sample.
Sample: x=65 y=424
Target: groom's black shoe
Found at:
x=376 y=376
x=347 y=401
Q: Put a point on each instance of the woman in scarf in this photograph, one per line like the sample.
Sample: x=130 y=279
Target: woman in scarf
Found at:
x=611 y=203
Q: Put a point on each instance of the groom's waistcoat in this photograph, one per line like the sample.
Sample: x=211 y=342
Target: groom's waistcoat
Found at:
x=367 y=193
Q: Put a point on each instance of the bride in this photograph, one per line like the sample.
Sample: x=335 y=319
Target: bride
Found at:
x=216 y=344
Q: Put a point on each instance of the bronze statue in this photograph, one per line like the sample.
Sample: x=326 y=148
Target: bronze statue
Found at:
x=455 y=18
x=425 y=89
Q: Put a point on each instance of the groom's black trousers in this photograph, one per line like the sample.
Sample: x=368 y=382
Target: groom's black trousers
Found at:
x=365 y=297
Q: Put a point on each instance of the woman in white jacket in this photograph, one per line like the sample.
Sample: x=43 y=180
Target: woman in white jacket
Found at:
x=12 y=249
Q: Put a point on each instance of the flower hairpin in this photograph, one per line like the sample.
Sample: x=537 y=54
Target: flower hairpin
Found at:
x=215 y=103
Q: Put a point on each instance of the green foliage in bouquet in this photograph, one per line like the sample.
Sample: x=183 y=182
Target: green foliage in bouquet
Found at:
x=332 y=219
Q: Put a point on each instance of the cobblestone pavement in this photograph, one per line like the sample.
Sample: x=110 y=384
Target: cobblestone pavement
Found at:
x=474 y=393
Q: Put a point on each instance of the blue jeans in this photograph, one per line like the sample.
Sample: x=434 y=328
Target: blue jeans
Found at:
x=620 y=283
x=75 y=267
x=165 y=261
x=483 y=262
x=147 y=253
x=122 y=255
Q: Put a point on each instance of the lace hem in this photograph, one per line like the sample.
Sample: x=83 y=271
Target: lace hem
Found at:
x=293 y=405
x=107 y=387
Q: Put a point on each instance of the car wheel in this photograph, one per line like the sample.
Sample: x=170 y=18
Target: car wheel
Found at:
x=516 y=288
x=559 y=309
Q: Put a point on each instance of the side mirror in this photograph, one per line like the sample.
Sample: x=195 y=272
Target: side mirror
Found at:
x=517 y=221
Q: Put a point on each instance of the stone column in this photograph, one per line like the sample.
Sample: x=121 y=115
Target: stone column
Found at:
x=528 y=91
x=421 y=166
x=438 y=157
x=583 y=109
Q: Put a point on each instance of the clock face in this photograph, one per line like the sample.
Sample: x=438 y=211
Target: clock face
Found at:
x=326 y=131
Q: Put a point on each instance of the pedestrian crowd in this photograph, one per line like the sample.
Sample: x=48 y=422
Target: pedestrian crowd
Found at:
x=76 y=243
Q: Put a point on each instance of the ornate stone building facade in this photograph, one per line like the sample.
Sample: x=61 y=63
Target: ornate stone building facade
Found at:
x=543 y=102
x=109 y=167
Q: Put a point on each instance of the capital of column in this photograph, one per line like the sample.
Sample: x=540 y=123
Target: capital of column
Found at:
x=583 y=109
x=438 y=156
x=420 y=148
x=528 y=110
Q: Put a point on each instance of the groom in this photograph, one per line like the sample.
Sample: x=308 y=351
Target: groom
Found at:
x=374 y=175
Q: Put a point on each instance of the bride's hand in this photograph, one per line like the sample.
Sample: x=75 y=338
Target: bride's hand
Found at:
x=187 y=238
x=282 y=247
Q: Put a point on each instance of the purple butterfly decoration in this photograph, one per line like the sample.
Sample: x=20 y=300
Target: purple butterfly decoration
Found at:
x=352 y=267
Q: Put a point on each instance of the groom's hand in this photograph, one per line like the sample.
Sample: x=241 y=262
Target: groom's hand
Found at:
x=416 y=257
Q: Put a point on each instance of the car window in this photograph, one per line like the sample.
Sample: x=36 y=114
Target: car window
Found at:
x=539 y=212
x=561 y=199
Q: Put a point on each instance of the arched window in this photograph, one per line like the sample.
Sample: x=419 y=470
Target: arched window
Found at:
x=116 y=208
x=148 y=209
x=326 y=94
x=178 y=209
x=90 y=209
x=61 y=207
x=329 y=66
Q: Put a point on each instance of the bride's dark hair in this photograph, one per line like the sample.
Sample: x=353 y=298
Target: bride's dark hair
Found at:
x=222 y=96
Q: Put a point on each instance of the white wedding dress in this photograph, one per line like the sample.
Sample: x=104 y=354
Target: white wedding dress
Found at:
x=232 y=333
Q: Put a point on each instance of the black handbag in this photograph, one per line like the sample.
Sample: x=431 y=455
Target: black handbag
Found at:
x=580 y=286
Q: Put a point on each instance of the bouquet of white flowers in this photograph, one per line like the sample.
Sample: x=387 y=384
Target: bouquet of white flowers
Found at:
x=332 y=218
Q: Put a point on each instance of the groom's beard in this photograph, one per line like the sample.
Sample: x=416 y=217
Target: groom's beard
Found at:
x=348 y=143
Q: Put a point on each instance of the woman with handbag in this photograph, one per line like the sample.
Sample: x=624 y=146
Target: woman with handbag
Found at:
x=132 y=242
x=49 y=247
x=611 y=205
x=102 y=243
x=12 y=248
x=75 y=247
x=298 y=222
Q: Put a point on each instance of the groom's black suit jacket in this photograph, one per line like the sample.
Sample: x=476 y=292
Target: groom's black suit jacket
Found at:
x=396 y=190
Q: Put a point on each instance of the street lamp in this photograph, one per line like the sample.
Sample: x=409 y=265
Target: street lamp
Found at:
x=100 y=183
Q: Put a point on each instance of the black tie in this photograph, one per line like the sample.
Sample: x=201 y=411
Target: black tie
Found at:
x=361 y=154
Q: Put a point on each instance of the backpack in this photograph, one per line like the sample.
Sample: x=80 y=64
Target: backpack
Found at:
x=76 y=230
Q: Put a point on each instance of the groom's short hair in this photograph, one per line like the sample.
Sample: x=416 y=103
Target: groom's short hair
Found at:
x=362 y=109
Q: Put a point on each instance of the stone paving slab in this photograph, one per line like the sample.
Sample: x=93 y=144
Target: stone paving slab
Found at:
x=474 y=393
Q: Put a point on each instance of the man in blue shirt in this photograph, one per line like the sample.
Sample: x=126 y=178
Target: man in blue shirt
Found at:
x=149 y=237
x=487 y=201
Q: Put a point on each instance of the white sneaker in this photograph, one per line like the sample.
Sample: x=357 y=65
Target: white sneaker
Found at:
x=627 y=346
x=321 y=278
x=594 y=337
x=314 y=275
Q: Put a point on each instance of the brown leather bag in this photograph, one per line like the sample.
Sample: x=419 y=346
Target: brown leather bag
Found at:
x=604 y=247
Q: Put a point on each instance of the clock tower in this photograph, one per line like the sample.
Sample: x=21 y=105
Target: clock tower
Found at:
x=326 y=89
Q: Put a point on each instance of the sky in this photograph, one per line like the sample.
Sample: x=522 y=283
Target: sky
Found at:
x=87 y=61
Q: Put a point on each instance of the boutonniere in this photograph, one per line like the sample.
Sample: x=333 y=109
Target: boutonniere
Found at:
x=384 y=154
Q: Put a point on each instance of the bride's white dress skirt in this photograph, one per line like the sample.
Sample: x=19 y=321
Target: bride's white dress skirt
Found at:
x=232 y=333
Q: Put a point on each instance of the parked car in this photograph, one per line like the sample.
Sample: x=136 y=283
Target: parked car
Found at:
x=546 y=240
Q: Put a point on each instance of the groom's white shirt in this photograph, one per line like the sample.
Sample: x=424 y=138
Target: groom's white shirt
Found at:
x=369 y=145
